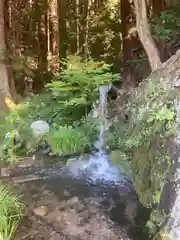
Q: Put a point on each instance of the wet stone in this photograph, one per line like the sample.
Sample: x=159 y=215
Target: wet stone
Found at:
x=66 y=193
x=41 y=211
x=55 y=236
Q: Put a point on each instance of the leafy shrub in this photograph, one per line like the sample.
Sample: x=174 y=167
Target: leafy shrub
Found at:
x=11 y=211
x=90 y=127
x=78 y=84
x=66 y=139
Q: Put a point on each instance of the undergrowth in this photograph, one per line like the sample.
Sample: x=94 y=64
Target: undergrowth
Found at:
x=64 y=104
x=67 y=140
x=11 y=211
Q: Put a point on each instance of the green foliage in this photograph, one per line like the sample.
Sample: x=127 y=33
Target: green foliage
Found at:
x=19 y=134
x=11 y=211
x=78 y=84
x=90 y=127
x=66 y=103
x=166 y=27
x=66 y=139
x=144 y=139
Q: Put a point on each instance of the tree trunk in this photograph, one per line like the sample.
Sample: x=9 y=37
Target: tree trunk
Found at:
x=7 y=60
x=62 y=31
x=145 y=35
x=5 y=91
x=53 y=25
x=87 y=7
x=39 y=82
x=77 y=28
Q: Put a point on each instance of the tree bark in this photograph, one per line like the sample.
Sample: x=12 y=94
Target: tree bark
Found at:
x=77 y=28
x=86 y=32
x=145 y=35
x=53 y=25
x=5 y=91
x=62 y=31
x=7 y=60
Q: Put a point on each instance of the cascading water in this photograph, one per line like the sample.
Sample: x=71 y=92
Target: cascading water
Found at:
x=103 y=112
x=98 y=166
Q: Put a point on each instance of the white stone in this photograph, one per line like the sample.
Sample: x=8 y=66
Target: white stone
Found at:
x=40 y=127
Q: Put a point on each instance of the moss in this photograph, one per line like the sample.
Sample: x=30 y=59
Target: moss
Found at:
x=121 y=159
x=147 y=137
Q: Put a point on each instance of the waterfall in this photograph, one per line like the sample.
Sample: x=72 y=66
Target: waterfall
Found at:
x=97 y=166
x=103 y=92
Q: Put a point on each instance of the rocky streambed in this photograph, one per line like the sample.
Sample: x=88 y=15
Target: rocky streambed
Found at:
x=82 y=204
x=53 y=213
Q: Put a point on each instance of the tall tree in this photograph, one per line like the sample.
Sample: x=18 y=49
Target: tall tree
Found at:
x=77 y=27
x=145 y=35
x=6 y=81
x=53 y=26
x=62 y=30
x=87 y=7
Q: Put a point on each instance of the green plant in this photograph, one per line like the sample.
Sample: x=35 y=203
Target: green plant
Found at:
x=78 y=84
x=11 y=211
x=67 y=140
x=166 y=26
x=15 y=132
x=89 y=126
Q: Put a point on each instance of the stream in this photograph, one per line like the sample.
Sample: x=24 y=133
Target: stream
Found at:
x=89 y=198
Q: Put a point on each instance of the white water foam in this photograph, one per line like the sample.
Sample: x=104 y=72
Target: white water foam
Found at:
x=98 y=166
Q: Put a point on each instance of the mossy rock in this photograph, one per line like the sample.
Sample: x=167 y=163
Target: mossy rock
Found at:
x=148 y=136
x=122 y=161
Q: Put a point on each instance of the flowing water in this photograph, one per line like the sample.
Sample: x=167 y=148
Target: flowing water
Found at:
x=89 y=176
x=98 y=166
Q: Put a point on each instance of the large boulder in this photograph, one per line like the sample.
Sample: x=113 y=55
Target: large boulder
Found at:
x=39 y=128
x=151 y=140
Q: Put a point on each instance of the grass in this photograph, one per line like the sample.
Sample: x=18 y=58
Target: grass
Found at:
x=11 y=210
x=67 y=139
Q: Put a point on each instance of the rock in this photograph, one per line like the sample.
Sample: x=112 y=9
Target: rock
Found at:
x=66 y=193
x=131 y=210
x=120 y=159
x=72 y=202
x=27 y=162
x=40 y=127
x=55 y=236
x=152 y=137
x=79 y=207
x=5 y=172
x=41 y=211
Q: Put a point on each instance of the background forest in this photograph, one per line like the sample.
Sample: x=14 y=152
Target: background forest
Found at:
x=39 y=35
